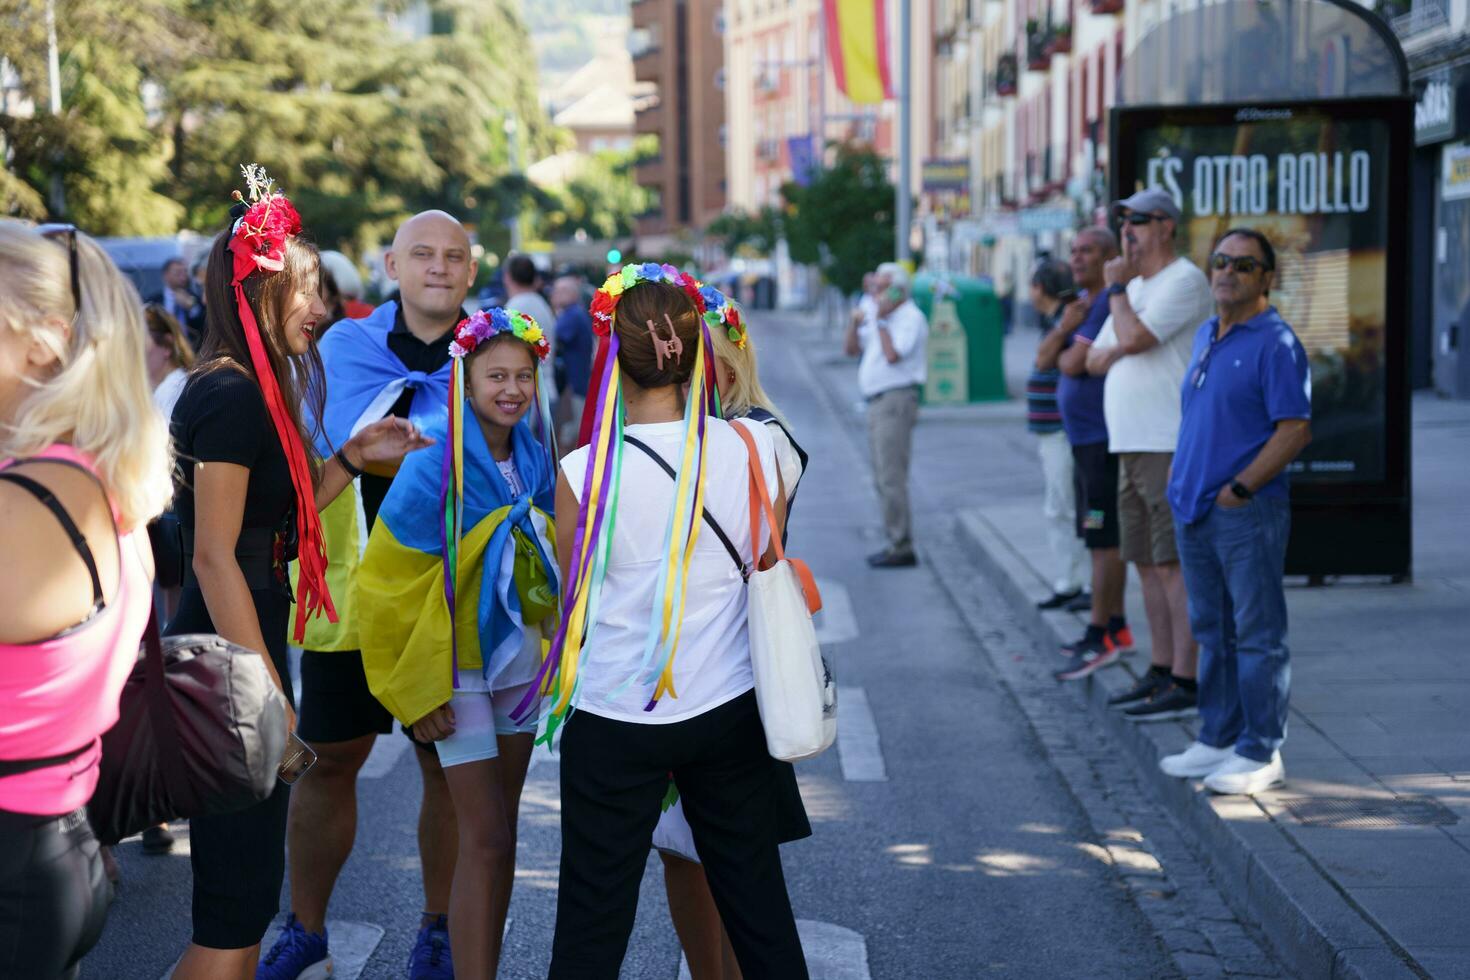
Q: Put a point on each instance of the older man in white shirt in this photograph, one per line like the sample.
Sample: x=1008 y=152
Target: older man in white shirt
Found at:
x=894 y=365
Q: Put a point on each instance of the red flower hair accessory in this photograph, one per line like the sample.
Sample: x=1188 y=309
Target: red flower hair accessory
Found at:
x=258 y=242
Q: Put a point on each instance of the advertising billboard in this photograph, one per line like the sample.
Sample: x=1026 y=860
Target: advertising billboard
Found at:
x=1326 y=182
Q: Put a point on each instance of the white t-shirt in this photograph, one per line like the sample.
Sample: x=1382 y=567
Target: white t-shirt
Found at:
x=712 y=664
x=166 y=395
x=1141 y=394
x=910 y=332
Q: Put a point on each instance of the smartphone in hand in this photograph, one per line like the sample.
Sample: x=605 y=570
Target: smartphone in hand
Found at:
x=298 y=758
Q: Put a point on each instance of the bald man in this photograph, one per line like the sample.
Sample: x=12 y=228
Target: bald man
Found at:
x=393 y=362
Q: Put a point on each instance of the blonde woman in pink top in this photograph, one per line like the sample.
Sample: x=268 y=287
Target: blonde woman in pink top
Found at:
x=84 y=465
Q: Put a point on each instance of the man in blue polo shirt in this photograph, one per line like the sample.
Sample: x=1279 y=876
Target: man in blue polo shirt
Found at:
x=1247 y=405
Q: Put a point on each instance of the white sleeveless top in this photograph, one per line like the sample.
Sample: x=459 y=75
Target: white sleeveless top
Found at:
x=712 y=663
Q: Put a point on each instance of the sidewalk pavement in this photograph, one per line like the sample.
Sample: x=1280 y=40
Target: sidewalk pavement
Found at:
x=1360 y=865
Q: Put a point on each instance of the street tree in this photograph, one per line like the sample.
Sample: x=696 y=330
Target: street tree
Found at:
x=842 y=220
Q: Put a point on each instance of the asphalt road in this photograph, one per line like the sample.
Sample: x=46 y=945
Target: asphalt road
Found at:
x=945 y=844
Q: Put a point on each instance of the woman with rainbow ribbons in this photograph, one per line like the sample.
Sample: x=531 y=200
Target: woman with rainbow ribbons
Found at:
x=456 y=590
x=653 y=651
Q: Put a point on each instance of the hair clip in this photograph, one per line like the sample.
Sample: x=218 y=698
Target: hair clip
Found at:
x=671 y=348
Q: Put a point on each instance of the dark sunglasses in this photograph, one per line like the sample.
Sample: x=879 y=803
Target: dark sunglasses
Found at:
x=1143 y=217
x=1243 y=264
x=69 y=232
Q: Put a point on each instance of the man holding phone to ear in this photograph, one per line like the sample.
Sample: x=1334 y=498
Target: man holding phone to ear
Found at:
x=1053 y=294
x=895 y=361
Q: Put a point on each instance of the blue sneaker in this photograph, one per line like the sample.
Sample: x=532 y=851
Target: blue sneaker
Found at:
x=430 y=957
x=297 y=955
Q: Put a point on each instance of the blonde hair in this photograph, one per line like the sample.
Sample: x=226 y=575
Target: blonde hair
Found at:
x=98 y=399
x=745 y=392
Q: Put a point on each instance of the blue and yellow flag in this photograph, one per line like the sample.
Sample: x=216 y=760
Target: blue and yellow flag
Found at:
x=403 y=611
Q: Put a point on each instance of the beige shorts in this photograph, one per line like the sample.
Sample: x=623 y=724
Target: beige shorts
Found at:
x=1145 y=522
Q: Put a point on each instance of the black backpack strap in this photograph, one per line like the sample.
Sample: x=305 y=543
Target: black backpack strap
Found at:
x=78 y=540
x=708 y=518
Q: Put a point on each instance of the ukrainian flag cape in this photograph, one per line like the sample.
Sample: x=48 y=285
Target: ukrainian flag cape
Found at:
x=403 y=605
x=364 y=379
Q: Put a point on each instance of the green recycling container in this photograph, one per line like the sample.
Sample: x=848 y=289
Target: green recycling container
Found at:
x=966 y=352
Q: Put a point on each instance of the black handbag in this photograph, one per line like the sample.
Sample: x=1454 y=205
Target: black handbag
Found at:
x=201 y=730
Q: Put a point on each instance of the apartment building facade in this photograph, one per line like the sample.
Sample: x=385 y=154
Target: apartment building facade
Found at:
x=678 y=48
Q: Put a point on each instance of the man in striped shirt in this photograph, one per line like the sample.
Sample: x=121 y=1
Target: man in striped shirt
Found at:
x=1052 y=292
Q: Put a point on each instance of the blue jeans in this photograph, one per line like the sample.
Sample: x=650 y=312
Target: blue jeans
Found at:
x=1233 y=560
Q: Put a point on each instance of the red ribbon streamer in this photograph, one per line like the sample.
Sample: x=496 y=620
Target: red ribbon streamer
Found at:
x=313 y=596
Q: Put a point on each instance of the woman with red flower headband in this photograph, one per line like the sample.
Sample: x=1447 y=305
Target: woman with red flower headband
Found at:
x=247 y=495
x=653 y=653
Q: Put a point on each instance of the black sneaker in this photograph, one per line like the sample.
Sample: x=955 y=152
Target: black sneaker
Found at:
x=158 y=840
x=1082 y=603
x=893 y=559
x=1091 y=655
x=1058 y=600
x=1148 y=685
x=1172 y=703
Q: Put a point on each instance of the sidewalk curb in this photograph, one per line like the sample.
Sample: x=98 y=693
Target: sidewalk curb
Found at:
x=1266 y=878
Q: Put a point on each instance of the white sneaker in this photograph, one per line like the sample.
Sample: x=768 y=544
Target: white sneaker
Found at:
x=1197 y=760
x=1246 y=777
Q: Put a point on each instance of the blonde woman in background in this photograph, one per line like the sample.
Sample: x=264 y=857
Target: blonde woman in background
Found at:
x=170 y=356
x=696 y=919
x=84 y=465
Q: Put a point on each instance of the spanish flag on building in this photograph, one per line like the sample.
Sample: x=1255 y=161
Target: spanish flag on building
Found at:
x=857 y=38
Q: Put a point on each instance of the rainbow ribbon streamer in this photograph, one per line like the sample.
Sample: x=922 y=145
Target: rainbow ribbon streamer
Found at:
x=451 y=504
x=596 y=516
x=681 y=534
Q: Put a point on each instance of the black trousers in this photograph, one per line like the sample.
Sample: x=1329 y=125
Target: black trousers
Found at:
x=53 y=895
x=613 y=777
x=239 y=859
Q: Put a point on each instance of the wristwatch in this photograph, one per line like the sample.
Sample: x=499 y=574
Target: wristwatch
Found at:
x=1115 y=289
x=1241 y=490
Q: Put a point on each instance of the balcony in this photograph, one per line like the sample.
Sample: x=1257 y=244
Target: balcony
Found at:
x=1101 y=7
x=1411 y=20
x=1060 y=40
x=1038 y=58
x=649 y=119
x=1005 y=75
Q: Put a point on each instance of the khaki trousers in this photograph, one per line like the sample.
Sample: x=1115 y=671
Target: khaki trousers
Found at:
x=891 y=418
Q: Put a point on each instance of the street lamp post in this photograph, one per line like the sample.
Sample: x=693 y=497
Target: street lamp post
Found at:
x=53 y=79
x=903 y=212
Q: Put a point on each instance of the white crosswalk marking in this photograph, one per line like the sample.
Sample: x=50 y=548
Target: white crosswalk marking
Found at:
x=832 y=952
x=857 y=738
x=836 y=622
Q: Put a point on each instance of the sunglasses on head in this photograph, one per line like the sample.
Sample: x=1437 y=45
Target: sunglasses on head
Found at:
x=69 y=233
x=1243 y=264
x=1143 y=217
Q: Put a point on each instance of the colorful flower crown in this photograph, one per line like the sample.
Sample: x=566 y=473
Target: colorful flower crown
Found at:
x=721 y=313
x=484 y=324
x=605 y=302
x=267 y=222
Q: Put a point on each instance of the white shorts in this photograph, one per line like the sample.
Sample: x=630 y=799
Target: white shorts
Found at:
x=479 y=718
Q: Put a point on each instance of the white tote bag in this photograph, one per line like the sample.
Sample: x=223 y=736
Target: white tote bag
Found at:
x=794 y=688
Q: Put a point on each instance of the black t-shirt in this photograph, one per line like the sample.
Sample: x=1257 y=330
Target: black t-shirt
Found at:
x=416 y=356
x=221 y=418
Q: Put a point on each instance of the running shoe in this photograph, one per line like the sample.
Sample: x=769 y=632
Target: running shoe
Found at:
x=430 y=959
x=1121 y=639
x=1082 y=603
x=297 y=955
x=1058 y=600
x=1070 y=650
x=1148 y=685
x=1092 y=655
x=158 y=840
x=1168 y=704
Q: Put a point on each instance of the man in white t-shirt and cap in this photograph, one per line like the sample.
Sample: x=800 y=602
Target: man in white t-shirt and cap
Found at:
x=1156 y=301
x=895 y=361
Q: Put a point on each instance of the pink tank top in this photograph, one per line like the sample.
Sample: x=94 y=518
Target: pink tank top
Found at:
x=60 y=694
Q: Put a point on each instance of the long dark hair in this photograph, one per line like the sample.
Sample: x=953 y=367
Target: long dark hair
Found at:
x=301 y=379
